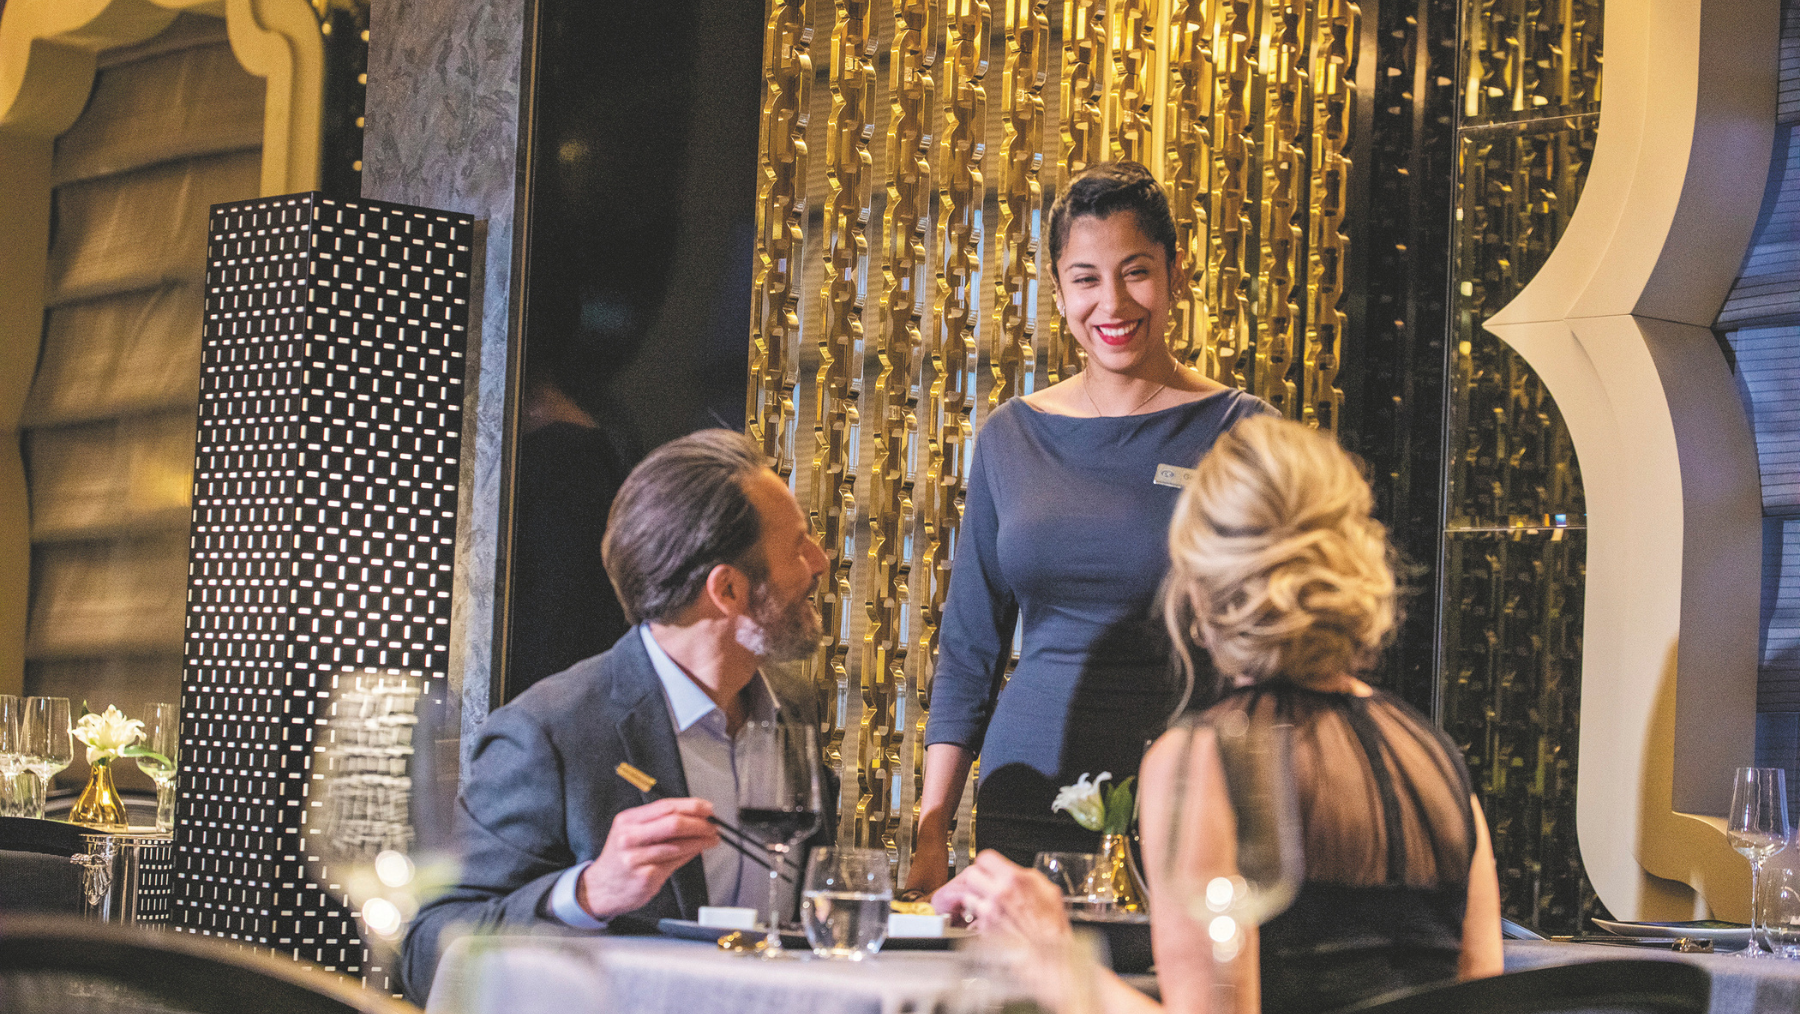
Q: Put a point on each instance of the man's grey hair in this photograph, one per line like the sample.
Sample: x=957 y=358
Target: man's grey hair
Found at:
x=681 y=512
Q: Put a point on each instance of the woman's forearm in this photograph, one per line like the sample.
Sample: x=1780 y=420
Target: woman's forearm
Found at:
x=946 y=771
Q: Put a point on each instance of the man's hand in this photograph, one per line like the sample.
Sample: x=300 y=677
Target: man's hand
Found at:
x=645 y=846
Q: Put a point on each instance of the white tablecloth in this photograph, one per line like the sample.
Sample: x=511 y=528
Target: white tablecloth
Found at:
x=652 y=975
x=1739 y=985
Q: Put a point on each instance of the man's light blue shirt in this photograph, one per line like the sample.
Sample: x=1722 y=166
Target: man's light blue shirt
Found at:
x=709 y=762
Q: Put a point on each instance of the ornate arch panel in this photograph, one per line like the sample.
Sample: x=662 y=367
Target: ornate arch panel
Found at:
x=1617 y=324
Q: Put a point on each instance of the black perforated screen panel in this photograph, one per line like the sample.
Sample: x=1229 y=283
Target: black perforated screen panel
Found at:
x=324 y=526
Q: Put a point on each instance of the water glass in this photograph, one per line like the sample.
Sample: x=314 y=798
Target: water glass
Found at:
x=1781 y=903
x=845 y=901
x=48 y=747
x=12 y=750
x=1081 y=876
x=162 y=734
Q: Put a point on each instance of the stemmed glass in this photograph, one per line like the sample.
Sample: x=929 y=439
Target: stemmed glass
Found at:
x=48 y=748
x=780 y=800
x=1234 y=773
x=1758 y=828
x=12 y=750
x=162 y=736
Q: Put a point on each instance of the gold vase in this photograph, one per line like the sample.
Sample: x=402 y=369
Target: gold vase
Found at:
x=1121 y=869
x=99 y=804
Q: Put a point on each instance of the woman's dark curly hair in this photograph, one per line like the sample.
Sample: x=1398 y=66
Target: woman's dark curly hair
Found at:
x=1106 y=187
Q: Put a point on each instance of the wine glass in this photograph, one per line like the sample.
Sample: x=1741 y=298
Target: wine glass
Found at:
x=1758 y=828
x=162 y=735
x=48 y=748
x=780 y=799
x=12 y=751
x=1233 y=859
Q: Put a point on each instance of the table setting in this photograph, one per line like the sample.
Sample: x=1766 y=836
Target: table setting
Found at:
x=856 y=949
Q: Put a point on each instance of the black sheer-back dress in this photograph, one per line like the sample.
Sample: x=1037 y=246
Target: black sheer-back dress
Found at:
x=1389 y=834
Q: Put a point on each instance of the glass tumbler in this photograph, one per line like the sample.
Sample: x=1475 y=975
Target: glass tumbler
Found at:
x=1079 y=875
x=1781 y=903
x=845 y=901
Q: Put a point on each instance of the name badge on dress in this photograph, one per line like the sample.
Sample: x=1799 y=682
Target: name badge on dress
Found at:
x=1173 y=475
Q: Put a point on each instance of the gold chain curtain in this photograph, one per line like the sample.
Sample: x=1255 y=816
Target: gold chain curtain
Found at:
x=913 y=256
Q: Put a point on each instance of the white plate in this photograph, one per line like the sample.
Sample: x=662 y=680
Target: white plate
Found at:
x=1732 y=934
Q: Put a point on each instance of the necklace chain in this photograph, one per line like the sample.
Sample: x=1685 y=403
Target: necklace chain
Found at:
x=1131 y=411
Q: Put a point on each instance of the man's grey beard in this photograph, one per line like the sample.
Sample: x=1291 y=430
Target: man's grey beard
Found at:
x=778 y=634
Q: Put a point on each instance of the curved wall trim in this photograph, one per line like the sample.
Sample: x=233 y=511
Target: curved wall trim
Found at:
x=1617 y=323
x=47 y=61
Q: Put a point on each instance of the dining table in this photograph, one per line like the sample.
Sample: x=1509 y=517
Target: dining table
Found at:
x=656 y=975
x=1740 y=985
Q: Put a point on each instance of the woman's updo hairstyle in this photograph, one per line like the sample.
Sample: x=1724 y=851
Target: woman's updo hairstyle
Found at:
x=1276 y=566
x=1107 y=187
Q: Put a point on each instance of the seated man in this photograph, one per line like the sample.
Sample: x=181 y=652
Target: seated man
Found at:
x=713 y=560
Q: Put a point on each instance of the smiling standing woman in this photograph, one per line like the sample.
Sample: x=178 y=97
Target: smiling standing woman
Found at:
x=1065 y=533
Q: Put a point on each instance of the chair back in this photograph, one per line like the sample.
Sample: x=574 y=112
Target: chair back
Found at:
x=35 y=872
x=66 y=965
x=1592 y=987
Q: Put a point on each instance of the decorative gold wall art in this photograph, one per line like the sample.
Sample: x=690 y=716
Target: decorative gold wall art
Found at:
x=780 y=229
x=943 y=136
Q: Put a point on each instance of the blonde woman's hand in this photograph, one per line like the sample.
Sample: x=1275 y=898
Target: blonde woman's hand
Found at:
x=995 y=895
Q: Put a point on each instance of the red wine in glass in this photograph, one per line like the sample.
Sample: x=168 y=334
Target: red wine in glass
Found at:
x=780 y=799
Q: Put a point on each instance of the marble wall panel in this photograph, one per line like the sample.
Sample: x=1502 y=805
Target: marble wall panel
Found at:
x=443 y=131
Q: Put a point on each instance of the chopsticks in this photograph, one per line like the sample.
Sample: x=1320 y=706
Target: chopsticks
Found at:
x=642 y=781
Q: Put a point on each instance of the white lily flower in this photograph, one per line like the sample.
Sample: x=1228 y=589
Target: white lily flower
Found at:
x=1084 y=801
x=107 y=733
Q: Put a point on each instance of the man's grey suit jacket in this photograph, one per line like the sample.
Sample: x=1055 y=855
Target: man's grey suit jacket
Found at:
x=540 y=795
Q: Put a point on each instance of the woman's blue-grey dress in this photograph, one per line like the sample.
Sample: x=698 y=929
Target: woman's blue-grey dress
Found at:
x=1064 y=533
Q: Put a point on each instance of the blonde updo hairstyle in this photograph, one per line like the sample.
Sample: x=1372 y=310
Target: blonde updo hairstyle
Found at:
x=1276 y=566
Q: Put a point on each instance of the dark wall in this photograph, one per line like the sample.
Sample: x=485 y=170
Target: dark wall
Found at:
x=1394 y=350
x=637 y=225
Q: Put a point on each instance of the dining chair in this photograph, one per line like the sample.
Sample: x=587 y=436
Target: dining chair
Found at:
x=35 y=872
x=1613 y=987
x=59 y=965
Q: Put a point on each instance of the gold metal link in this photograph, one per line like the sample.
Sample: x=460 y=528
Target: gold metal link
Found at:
x=1086 y=66
x=1334 y=100
x=1281 y=266
x=1133 y=93
x=905 y=272
x=780 y=231
x=1187 y=159
x=952 y=354
x=1021 y=199
x=1087 y=58
x=1230 y=260
x=849 y=178
x=1530 y=59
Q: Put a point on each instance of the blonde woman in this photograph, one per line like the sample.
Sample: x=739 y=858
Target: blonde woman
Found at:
x=1279 y=572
